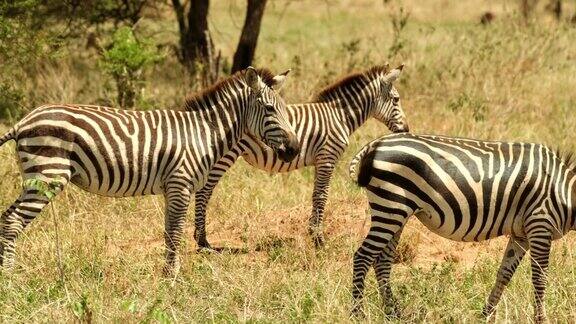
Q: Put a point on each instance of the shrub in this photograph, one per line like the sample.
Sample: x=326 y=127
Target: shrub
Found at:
x=126 y=60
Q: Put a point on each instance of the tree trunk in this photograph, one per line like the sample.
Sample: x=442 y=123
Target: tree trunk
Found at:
x=249 y=37
x=555 y=6
x=195 y=45
x=527 y=7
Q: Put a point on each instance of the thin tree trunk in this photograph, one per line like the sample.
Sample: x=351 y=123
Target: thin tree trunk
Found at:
x=194 y=32
x=527 y=7
x=555 y=6
x=249 y=37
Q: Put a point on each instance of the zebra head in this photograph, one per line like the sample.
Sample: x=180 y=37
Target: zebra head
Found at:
x=387 y=107
x=268 y=119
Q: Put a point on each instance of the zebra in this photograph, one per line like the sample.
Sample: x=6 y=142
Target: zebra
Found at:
x=323 y=128
x=120 y=153
x=464 y=190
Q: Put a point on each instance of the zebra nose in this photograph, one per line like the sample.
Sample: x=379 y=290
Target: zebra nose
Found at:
x=401 y=128
x=291 y=149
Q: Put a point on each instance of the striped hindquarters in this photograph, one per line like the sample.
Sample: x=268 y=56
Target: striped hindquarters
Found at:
x=361 y=174
x=470 y=190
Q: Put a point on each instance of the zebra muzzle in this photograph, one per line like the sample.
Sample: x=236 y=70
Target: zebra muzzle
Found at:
x=288 y=150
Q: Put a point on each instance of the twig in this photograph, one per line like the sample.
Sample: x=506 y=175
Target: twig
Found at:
x=58 y=253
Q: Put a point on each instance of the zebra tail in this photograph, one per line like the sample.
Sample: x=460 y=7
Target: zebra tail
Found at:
x=8 y=136
x=361 y=175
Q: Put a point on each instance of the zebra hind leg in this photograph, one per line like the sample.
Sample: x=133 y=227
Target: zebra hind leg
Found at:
x=15 y=219
x=383 y=268
x=383 y=228
x=515 y=251
x=177 y=200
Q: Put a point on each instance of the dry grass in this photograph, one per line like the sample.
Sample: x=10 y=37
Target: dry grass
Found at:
x=505 y=81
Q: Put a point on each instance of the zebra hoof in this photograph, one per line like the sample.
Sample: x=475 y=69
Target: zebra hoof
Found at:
x=171 y=269
x=319 y=241
x=393 y=311
x=539 y=318
x=357 y=312
x=206 y=250
x=204 y=245
x=489 y=313
x=202 y=242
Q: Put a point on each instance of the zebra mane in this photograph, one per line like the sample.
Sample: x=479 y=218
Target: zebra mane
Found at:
x=195 y=101
x=349 y=81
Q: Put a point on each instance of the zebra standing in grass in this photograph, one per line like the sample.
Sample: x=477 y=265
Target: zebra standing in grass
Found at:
x=323 y=129
x=130 y=153
x=465 y=190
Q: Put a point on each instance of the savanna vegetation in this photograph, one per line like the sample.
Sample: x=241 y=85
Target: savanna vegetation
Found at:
x=500 y=70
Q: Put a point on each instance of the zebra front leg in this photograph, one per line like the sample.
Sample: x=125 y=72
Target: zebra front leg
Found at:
x=202 y=196
x=539 y=232
x=383 y=268
x=383 y=228
x=177 y=200
x=319 y=196
x=515 y=251
x=15 y=219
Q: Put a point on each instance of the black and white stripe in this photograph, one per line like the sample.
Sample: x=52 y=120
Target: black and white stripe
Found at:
x=123 y=153
x=465 y=190
x=323 y=129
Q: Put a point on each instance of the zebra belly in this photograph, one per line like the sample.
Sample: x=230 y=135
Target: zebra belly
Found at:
x=267 y=160
x=111 y=173
x=150 y=187
x=432 y=221
x=123 y=175
x=474 y=211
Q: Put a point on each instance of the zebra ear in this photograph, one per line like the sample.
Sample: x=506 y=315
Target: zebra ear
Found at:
x=278 y=81
x=393 y=75
x=252 y=79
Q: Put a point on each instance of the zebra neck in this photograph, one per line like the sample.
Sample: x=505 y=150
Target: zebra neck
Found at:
x=355 y=106
x=224 y=123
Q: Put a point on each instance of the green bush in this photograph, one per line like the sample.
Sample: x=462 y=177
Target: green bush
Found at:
x=11 y=102
x=23 y=42
x=126 y=60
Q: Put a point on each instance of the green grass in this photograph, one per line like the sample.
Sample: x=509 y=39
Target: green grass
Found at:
x=507 y=81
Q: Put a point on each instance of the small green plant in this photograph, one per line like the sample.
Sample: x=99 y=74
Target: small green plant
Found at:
x=399 y=21
x=48 y=189
x=126 y=60
x=81 y=310
x=351 y=50
x=156 y=314
x=466 y=102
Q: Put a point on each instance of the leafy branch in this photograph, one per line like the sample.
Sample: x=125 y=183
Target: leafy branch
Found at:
x=47 y=189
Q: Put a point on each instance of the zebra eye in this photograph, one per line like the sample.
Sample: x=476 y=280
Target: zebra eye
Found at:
x=269 y=108
x=395 y=100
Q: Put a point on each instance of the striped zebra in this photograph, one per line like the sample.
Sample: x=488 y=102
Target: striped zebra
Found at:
x=465 y=190
x=121 y=153
x=323 y=129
